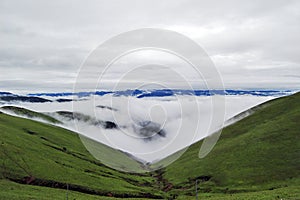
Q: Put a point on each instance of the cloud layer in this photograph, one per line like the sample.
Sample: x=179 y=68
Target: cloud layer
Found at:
x=184 y=119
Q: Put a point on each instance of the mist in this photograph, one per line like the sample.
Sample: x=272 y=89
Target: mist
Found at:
x=180 y=120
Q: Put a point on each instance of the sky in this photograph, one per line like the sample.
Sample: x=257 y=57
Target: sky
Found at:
x=253 y=44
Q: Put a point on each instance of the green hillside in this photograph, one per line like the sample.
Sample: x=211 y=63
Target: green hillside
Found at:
x=29 y=113
x=40 y=154
x=259 y=152
x=255 y=158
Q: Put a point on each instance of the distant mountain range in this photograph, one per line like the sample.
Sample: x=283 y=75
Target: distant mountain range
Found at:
x=42 y=97
x=170 y=92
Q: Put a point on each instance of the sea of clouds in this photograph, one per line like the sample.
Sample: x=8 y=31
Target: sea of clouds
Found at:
x=184 y=119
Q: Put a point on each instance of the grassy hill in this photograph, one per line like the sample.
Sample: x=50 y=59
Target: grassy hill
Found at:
x=29 y=113
x=255 y=158
x=39 y=154
x=259 y=152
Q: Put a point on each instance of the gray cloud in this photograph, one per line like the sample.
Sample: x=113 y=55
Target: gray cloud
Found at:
x=43 y=43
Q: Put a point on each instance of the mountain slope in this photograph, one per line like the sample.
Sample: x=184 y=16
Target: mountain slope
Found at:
x=261 y=151
x=255 y=158
x=39 y=154
x=23 y=112
x=12 y=98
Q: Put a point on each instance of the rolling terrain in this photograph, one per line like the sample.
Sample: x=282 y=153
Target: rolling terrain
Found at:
x=255 y=158
x=259 y=152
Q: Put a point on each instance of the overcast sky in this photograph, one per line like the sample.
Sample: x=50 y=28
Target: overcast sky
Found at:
x=254 y=44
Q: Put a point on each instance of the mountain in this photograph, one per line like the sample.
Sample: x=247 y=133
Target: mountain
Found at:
x=260 y=152
x=169 y=92
x=6 y=94
x=37 y=154
x=255 y=158
x=87 y=119
x=10 y=98
x=29 y=114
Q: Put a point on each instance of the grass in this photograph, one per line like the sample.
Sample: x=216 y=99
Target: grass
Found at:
x=12 y=191
x=49 y=153
x=30 y=114
x=255 y=158
x=15 y=191
x=259 y=152
x=291 y=193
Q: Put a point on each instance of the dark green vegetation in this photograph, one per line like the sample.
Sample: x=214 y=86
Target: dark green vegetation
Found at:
x=10 y=98
x=29 y=113
x=255 y=158
x=88 y=119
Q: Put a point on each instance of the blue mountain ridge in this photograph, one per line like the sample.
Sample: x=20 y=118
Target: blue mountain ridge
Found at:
x=169 y=92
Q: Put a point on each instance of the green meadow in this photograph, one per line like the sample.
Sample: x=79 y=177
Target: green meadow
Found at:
x=255 y=158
